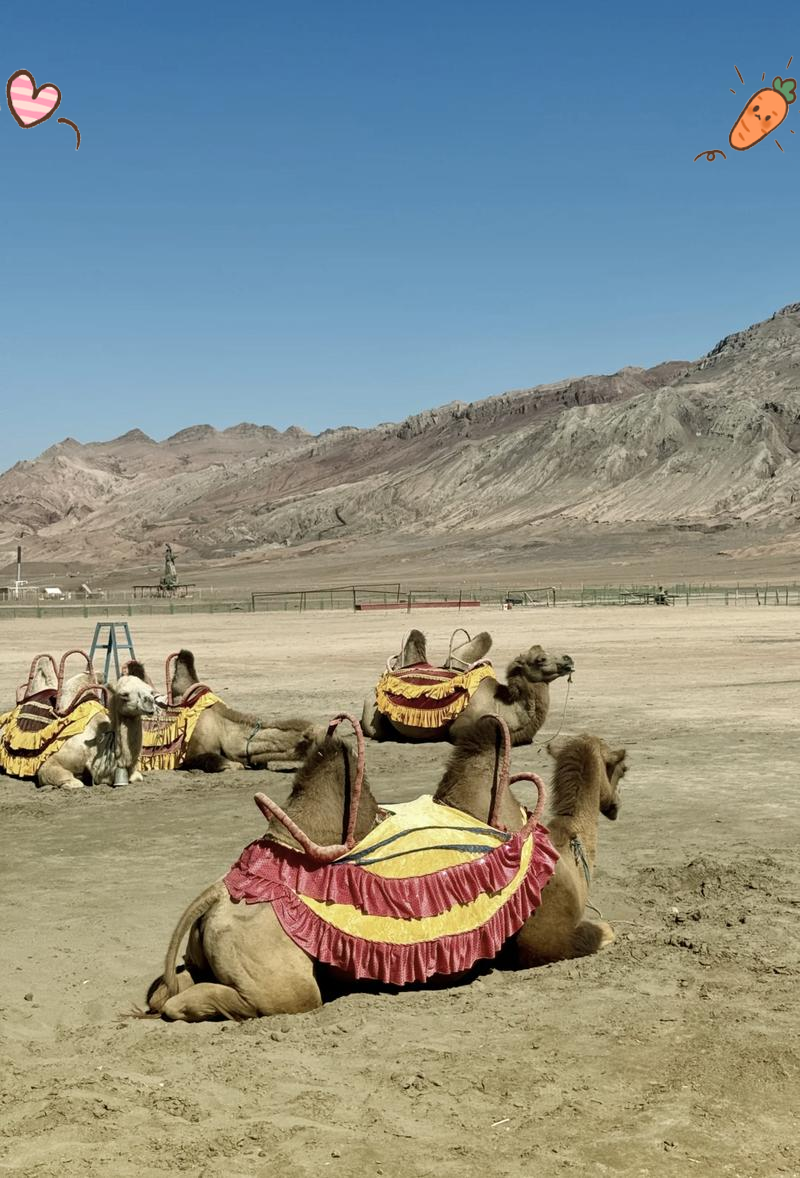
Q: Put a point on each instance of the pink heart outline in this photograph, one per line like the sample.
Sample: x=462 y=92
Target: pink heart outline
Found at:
x=35 y=92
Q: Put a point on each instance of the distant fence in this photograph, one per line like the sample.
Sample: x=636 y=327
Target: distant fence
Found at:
x=395 y=596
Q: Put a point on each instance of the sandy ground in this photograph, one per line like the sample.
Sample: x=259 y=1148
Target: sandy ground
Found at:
x=673 y=1052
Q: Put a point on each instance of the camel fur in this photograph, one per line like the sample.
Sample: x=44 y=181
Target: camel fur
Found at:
x=226 y=739
x=523 y=701
x=239 y=961
x=586 y=783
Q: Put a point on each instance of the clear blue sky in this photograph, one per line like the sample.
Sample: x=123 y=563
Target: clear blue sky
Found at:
x=333 y=212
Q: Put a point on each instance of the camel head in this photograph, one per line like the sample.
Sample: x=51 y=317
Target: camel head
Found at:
x=184 y=675
x=585 y=758
x=132 y=695
x=537 y=666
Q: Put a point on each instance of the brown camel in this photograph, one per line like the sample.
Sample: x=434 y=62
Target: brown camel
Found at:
x=227 y=739
x=585 y=784
x=523 y=701
x=239 y=961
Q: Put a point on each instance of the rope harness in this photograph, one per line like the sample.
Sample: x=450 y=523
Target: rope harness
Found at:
x=250 y=739
x=576 y=846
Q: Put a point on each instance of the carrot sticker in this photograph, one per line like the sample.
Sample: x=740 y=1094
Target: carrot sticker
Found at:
x=762 y=115
x=765 y=111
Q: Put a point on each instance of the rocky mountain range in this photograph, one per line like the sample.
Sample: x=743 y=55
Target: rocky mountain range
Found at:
x=706 y=446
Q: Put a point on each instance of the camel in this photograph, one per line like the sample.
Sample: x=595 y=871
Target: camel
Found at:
x=239 y=961
x=106 y=750
x=226 y=739
x=586 y=783
x=523 y=701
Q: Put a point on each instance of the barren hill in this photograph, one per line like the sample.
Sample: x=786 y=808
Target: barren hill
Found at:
x=702 y=446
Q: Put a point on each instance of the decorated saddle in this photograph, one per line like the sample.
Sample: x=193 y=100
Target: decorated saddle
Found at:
x=37 y=727
x=424 y=696
x=166 y=737
x=429 y=890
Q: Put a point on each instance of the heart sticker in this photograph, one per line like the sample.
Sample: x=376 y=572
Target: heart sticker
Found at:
x=29 y=105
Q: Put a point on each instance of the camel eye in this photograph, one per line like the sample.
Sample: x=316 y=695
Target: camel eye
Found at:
x=755 y=108
x=767 y=119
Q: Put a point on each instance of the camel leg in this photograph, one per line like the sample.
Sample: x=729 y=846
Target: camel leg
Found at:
x=543 y=945
x=264 y=971
x=591 y=936
x=207 y=1000
x=57 y=777
x=373 y=723
x=158 y=994
x=209 y=763
x=268 y=743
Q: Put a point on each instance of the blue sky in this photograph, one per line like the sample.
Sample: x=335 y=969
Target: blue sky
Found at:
x=330 y=212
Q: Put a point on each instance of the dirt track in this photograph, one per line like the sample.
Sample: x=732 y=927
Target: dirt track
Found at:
x=674 y=1052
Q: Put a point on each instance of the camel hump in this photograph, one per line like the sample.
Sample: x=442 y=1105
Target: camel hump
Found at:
x=134 y=667
x=469 y=652
x=481 y=734
x=185 y=658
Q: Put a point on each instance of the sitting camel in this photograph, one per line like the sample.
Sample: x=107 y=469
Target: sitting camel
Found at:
x=226 y=739
x=242 y=963
x=239 y=961
x=523 y=701
x=585 y=784
x=89 y=740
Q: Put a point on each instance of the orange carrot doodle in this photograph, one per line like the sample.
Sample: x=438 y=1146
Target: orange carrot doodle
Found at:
x=765 y=111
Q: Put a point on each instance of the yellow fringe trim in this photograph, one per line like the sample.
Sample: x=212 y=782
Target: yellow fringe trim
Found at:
x=180 y=729
x=463 y=680
x=29 y=762
x=391 y=684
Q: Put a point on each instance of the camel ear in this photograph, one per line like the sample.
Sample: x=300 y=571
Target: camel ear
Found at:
x=615 y=758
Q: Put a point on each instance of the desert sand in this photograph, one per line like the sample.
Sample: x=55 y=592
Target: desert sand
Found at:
x=674 y=1052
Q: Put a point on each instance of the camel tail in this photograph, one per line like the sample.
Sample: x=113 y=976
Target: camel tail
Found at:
x=196 y=909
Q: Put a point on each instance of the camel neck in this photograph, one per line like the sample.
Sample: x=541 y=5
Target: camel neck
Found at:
x=576 y=804
x=127 y=736
x=541 y=703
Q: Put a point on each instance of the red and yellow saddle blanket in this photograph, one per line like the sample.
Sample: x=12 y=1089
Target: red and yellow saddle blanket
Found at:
x=166 y=737
x=423 y=696
x=33 y=730
x=429 y=891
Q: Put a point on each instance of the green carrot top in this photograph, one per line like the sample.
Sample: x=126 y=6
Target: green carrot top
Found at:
x=786 y=88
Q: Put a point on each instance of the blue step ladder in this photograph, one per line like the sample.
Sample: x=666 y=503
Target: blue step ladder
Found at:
x=112 y=645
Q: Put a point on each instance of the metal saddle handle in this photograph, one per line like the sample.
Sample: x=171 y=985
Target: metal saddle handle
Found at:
x=504 y=781
x=333 y=851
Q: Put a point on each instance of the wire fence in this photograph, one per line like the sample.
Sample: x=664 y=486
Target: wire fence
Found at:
x=394 y=596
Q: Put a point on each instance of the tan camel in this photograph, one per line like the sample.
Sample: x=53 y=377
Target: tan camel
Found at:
x=241 y=964
x=227 y=739
x=523 y=701
x=585 y=784
x=239 y=961
x=107 y=750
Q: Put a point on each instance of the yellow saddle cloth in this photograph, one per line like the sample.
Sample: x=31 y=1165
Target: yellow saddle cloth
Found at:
x=423 y=696
x=429 y=890
x=33 y=731
x=166 y=738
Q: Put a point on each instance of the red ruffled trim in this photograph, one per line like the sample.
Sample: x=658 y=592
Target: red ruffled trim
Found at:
x=283 y=872
x=400 y=965
x=264 y=864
